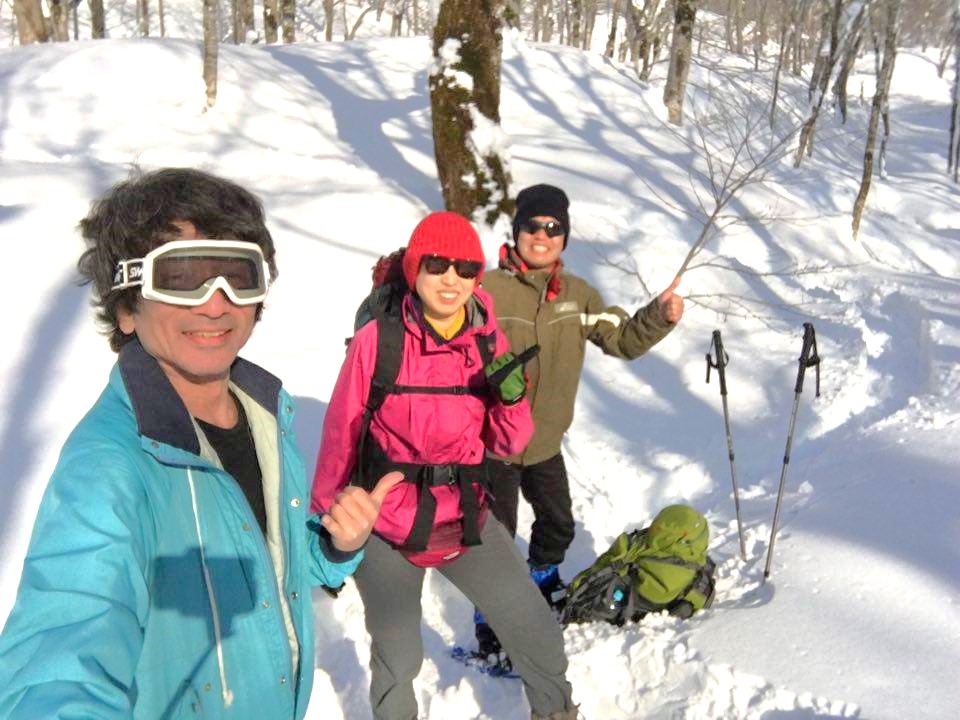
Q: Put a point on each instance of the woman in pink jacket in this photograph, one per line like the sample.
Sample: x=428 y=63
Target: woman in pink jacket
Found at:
x=458 y=394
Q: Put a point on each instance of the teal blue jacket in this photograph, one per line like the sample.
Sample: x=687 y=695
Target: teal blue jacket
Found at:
x=149 y=590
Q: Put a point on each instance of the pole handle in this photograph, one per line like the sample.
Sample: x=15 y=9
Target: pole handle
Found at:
x=809 y=357
x=720 y=364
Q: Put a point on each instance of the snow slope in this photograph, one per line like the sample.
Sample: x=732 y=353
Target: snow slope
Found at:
x=860 y=617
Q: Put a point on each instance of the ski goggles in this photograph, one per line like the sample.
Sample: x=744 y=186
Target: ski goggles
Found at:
x=189 y=272
x=551 y=227
x=436 y=265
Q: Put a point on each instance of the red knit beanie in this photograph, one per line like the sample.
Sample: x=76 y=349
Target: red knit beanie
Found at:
x=445 y=234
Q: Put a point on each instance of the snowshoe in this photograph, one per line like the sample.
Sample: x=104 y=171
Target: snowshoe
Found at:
x=494 y=665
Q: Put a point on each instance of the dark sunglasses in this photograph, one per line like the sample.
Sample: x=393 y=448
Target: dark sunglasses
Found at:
x=551 y=227
x=435 y=265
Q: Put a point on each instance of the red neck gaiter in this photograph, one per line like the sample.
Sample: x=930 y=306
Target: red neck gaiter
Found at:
x=510 y=260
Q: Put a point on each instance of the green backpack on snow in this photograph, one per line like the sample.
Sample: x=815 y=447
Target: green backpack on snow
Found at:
x=662 y=567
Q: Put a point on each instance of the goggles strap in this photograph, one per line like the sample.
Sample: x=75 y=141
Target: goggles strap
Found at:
x=129 y=274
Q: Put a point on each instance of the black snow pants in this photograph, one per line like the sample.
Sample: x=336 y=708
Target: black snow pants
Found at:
x=545 y=487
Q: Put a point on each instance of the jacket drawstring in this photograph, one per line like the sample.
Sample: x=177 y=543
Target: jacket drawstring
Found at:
x=224 y=688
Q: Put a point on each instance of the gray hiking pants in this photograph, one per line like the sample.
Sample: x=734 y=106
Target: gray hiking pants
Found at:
x=494 y=577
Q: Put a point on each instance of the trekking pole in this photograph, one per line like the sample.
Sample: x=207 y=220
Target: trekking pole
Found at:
x=716 y=345
x=808 y=358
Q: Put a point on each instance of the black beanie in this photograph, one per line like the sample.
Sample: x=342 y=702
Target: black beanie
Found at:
x=542 y=200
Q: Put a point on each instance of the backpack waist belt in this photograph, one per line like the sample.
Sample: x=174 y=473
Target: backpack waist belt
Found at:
x=376 y=464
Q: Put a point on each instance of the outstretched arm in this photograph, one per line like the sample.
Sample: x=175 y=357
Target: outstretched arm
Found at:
x=615 y=332
x=72 y=642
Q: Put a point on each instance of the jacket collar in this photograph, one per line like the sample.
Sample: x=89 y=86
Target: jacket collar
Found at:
x=547 y=282
x=161 y=414
x=477 y=319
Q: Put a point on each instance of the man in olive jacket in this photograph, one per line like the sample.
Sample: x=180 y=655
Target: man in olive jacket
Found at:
x=537 y=302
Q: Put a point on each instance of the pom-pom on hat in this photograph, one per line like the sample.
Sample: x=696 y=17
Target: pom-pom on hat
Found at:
x=542 y=201
x=445 y=234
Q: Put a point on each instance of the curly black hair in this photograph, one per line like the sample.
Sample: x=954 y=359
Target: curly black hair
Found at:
x=137 y=215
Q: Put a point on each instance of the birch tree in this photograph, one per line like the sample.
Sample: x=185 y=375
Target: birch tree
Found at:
x=953 y=151
x=465 y=103
x=680 y=55
x=837 y=24
x=891 y=16
x=612 y=37
x=849 y=57
x=211 y=50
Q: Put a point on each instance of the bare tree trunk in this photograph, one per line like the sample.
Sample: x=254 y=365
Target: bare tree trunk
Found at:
x=796 y=50
x=358 y=22
x=474 y=177
x=953 y=152
x=31 y=25
x=576 y=15
x=590 y=19
x=640 y=22
x=548 y=23
x=630 y=33
x=98 y=26
x=785 y=31
x=612 y=37
x=829 y=21
x=728 y=25
x=851 y=50
x=738 y=26
x=673 y=92
x=270 y=15
x=328 y=20
x=760 y=34
x=892 y=18
x=536 y=19
x=805 y=145
x=653 y=27
x=59 y=20
x=143 y=17
x=243 y=20
x=416 y=22
x=161 y=13
x=396 y=24
x=288 y=17
x=211 y=49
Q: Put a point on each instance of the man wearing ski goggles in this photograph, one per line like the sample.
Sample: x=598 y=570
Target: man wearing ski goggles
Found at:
x=178 y=500
x=189 y=272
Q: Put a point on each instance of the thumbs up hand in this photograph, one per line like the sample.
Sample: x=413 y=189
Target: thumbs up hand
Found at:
x=670 y=304
x=354 y=511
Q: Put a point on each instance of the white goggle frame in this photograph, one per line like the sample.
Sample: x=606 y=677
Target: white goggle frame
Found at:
x=139 y=272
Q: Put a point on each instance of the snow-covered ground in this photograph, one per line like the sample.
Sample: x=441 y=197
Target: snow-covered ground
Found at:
x=860 y=617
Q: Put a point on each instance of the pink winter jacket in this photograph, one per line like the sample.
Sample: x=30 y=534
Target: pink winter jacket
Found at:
x=419 y=428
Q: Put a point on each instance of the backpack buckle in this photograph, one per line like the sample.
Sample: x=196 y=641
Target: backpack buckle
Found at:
x=441 y=475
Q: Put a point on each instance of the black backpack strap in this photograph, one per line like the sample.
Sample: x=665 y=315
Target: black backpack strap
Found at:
x=385 y=371
x=487 y=345
x=426 y=512
x=468 y=501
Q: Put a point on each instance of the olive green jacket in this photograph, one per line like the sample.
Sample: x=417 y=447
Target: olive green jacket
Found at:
x=562 y=327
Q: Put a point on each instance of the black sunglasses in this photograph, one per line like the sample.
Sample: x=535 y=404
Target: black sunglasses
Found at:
x=435 y=265
x=551 y=227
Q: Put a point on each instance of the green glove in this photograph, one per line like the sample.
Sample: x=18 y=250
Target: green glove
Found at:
x=505 y=375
